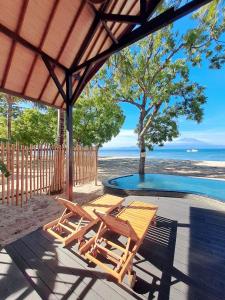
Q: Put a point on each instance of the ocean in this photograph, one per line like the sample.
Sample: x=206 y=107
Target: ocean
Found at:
x=178 y=154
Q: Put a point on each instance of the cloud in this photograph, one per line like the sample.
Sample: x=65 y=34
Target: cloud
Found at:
x=211 y=136
x=126 y=138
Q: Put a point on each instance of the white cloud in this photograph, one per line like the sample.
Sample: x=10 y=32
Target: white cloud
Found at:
x=211 y=136
x=126 y=138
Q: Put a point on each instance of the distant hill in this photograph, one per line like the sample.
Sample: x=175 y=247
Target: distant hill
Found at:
x=182 y=143
x=190 y=143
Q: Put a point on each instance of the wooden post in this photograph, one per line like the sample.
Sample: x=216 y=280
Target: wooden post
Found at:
x=69 y=138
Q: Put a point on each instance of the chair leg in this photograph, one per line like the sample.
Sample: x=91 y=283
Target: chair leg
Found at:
x=131 y=276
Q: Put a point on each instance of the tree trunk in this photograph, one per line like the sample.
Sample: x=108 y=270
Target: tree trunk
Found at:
x=141 y=141
x=142 y=156
x=60 y=130
x=9 y=120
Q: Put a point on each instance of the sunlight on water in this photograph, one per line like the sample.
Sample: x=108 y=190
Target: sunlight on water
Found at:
x=209 y=187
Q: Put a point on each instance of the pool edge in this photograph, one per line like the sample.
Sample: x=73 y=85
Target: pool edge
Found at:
x=111 y=189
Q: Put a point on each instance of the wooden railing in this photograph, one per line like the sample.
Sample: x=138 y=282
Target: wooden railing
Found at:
x=41 y=169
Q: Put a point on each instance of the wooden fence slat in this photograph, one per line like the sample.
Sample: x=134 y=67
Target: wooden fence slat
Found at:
x=46 y=169
x=12 y=174
x=3 y=177
x=40 y=160
x=8 y=168
x=17 y=173
x=41 y=168
x=34 y=168
x=31 y=175
x=22 y=176
x=49 y=169
x=26 y=168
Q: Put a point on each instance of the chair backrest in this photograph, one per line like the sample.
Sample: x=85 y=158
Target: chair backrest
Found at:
x=75 y=208
x=117 y=225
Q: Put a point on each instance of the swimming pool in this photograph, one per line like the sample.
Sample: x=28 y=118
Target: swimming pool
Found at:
x=169 y=183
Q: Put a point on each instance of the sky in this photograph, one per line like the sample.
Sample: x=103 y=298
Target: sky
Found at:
x=212 y=128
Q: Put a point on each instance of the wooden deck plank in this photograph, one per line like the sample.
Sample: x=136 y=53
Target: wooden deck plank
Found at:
x=13 y=284
x=183 y=258
x=204 y=278
x=73 y=277
x=28 y=265
x=70 y=257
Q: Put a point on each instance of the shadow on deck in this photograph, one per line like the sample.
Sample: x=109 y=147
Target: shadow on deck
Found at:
x=57 y=272
x=194 y=271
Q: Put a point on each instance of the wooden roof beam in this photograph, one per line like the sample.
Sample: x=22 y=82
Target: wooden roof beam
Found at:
x=54 y=77
x=44 y=35
x=107 y=29
x=89 y=36
x=15 y=37
x=160 y=21
x=143 y=8
x=81 y=83
x=120 y=18
x=13 y=46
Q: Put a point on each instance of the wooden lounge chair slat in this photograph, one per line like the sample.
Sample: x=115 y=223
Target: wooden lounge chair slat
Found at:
x=132 y=222
x=66 y=228
x=85 y=214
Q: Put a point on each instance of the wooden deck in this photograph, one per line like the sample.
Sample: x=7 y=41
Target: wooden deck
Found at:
x=182 y=258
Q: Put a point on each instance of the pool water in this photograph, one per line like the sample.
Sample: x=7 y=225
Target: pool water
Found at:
x=160 y=182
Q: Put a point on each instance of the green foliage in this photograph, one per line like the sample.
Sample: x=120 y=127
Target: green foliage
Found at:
x=154 y=75
x=35 y=127
x=209 y=41
x=5 y=101
x=163 y=129
x=3 y=128
x=4 y=169
x=96 y=119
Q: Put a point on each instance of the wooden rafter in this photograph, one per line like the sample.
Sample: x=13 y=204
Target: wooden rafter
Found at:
x=119 y=26
x=151 y=9
x=108 y=30
x=89 y=36
x=147 y=28
x=13 y=46
x=99 y=34
x=81 y=82
x=51 y=17
x=75 y=77
x=63 y=46
x=143 y=9
x=16 y=37
x=54 y=77
x=106 y=27
x=120 y=18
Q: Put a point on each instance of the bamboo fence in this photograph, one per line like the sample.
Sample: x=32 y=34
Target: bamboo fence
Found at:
x=41 y=169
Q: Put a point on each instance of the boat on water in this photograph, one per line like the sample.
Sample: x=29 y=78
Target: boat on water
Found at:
x=192 y=150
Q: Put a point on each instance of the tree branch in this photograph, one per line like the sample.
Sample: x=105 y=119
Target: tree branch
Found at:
x=166 y=61
x=148 y=123
x=130 y=101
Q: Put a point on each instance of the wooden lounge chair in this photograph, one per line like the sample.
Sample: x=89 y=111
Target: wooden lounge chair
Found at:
x=132 y=222
x=66 y=229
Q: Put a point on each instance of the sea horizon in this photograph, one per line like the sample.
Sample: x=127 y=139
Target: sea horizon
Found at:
x=203 y=154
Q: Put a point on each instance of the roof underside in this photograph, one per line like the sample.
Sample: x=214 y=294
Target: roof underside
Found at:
x=39 y=37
